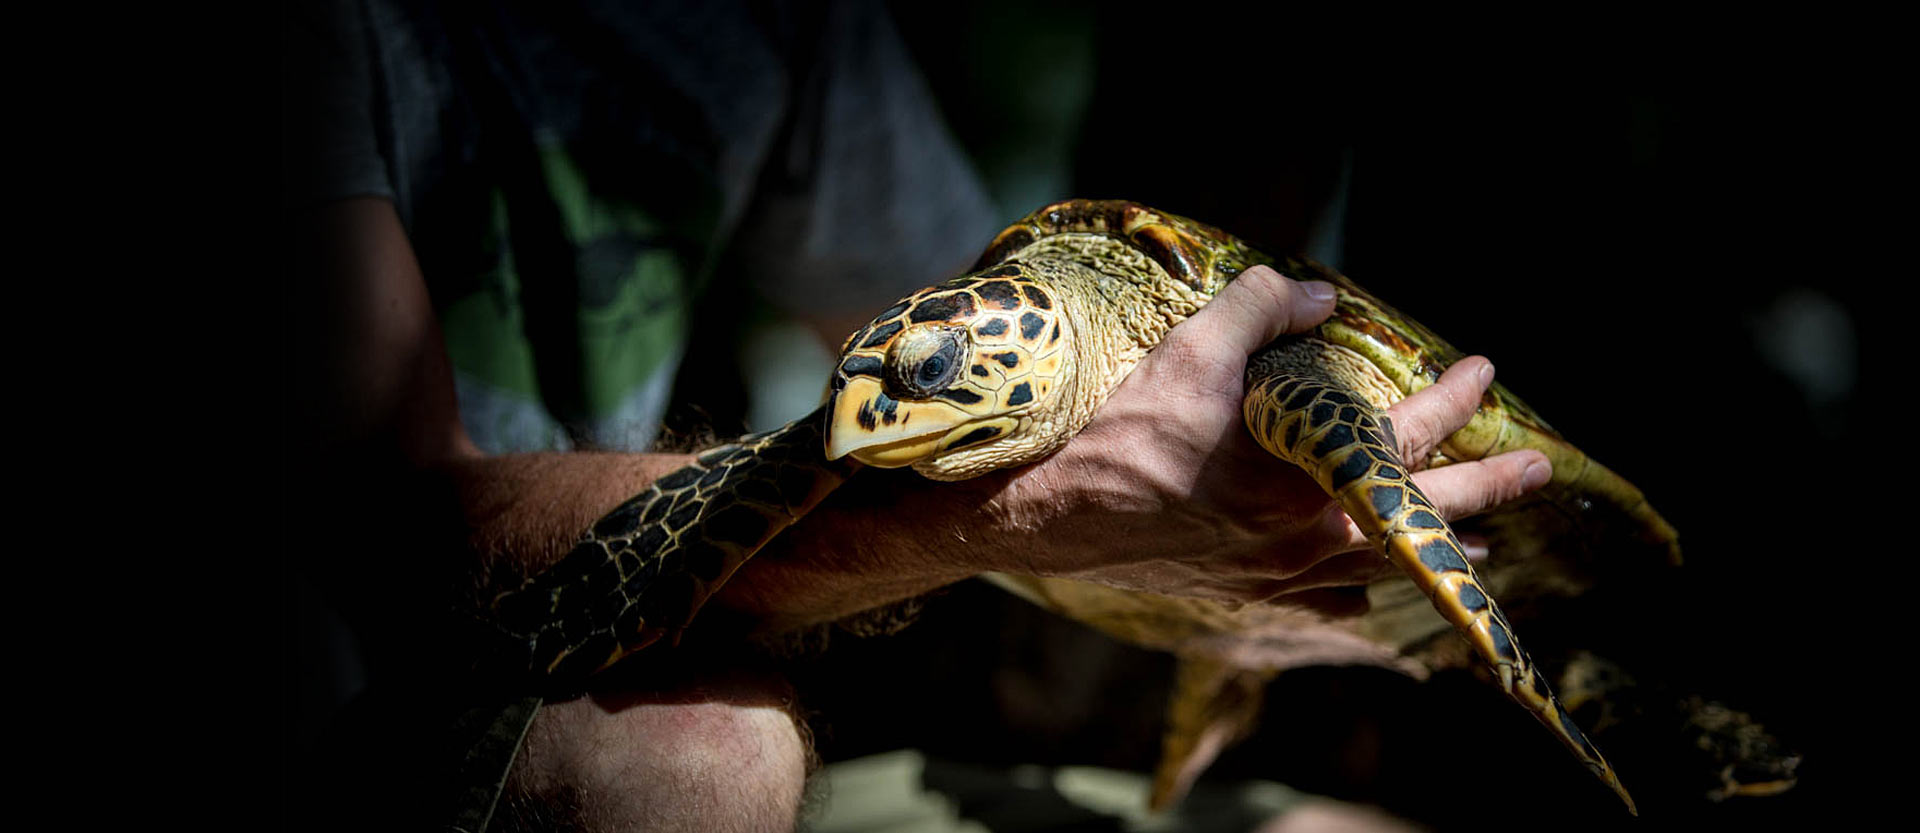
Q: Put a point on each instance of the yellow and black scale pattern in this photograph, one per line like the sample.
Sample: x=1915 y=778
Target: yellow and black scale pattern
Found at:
x=1302 y=404
x=1311 y=418
x=1013 y=357
x=642 y=571
x=987 y=345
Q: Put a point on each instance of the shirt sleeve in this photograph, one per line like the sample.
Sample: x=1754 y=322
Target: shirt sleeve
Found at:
x=869 y=196
x=331 y=149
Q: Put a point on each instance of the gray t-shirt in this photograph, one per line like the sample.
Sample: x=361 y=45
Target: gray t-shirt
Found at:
x=570 y=174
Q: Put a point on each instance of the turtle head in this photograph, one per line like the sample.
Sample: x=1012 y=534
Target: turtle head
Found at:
x=953 y=379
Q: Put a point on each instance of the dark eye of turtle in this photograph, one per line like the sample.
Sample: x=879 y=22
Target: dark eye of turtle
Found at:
x=923 y=363
x=932 y=369
x=937 y=371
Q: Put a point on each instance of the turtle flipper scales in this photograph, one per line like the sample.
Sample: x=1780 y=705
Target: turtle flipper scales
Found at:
x=1299 y=407
x=642 y=570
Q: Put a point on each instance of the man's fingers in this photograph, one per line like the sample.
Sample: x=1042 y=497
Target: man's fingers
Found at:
x=1257 y=307
x=1465 y=489
x=1426 y=418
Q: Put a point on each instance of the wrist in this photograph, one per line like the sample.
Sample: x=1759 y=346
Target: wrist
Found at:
x=882 y=537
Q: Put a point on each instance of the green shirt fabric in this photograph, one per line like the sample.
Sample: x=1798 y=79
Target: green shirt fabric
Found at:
x=571 y=174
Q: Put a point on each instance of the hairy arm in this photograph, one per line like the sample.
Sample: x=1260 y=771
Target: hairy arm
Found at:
x=1164 y=490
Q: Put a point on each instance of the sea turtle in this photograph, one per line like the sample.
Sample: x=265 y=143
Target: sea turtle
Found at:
x=1002 y=366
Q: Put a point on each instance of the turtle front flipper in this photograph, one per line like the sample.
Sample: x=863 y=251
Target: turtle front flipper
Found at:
x=642 y=570
x=1299 y=407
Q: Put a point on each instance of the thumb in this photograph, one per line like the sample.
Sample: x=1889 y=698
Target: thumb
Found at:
x=1259 y=306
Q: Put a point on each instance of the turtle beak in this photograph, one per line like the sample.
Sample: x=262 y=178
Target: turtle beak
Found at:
x=884 y=432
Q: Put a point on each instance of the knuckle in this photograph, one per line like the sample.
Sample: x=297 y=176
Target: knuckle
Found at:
x=1206 y=361
x=1503 y=484
x=1417 y=440
x=1469 y=488
x=1264 y=277
x=1481 y=500
x=1268 y=291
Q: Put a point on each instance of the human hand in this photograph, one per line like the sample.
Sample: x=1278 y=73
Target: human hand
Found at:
x=1165 y=491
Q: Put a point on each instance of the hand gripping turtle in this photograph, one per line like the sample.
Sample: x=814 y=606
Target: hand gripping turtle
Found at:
x=1001 y=367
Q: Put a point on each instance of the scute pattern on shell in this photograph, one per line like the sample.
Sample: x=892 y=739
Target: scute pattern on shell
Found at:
x=1013 y=333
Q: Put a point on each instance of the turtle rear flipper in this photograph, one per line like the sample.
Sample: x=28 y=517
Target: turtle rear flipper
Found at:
x=1214 y=704
x=1298 y=408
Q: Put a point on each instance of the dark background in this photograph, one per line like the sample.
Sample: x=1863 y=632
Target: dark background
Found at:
x=1668 y=235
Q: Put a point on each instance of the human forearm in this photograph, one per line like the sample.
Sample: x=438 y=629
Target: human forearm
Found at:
x=523 y=512
x=882 y=537
x=860 y=549
x=1144 y=500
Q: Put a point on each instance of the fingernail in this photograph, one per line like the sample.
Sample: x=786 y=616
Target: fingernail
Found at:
x=1475 y=551
x=1319 y=290
x=1486 y=374
x=1537 y=475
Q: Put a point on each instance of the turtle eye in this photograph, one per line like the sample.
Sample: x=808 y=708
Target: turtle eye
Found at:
x=935 y=372
x=933 y=369
x=924 y=362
